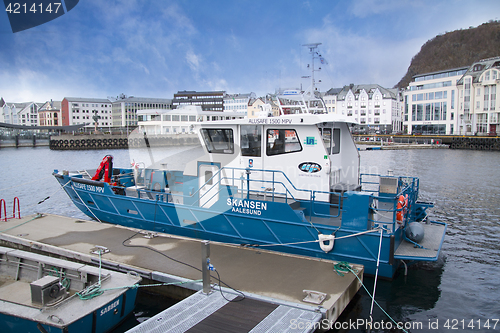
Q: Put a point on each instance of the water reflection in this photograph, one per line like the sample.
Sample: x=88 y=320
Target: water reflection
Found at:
x=400 y=298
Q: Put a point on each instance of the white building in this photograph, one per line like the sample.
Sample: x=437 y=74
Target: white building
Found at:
x=179 y=120
x=479 y=108
x=76 y=110
x=330 y=99
x=431 y=103
x=237 y=102
x=20 y=113
x=125 y=109
x=375 y=108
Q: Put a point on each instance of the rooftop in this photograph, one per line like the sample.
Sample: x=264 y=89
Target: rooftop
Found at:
x=479 y=67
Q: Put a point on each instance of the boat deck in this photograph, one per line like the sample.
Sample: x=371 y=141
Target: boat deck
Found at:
x=266 y=276
x=16 y=292
x=433 y=238
x=19 y=268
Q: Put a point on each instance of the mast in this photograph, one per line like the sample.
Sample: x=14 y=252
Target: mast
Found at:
x=312 y=50
x=308 y=101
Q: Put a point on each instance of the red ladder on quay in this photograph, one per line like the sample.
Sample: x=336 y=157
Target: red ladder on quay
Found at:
x=3 y=205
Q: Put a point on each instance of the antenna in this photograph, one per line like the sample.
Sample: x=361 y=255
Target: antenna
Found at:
x=312 y=50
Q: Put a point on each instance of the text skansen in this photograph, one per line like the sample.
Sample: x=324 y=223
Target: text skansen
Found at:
x=247 y=206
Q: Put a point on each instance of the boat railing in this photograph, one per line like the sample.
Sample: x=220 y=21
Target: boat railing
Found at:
x=330 y=205
x=272 y=194
x=403 y=183
x=274 y=185
x=369 y=185
x=220 y=179
x=268 y=189
x=386 y=209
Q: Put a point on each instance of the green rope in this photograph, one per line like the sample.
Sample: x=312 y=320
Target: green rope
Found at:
x=96 y=290
x=65 y=282
x=37 y=216
x=344 y=267
x=90 y=292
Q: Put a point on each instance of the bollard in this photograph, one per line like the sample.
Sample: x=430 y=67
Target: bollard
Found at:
x=205 y=261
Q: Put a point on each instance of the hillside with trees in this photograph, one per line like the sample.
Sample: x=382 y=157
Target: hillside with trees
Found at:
x=454 y=49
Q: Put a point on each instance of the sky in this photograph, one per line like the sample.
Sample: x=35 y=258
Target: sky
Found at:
x=155 y=48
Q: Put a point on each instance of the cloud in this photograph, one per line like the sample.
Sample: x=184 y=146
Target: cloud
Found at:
x=356 y=58
x=177 y=18
x=234 y=42
x=153 y=49
x=215 y=84
x=366 y=8
x=193 y=61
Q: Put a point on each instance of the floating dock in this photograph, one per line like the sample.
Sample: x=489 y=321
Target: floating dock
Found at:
x=217 y=312
x=472 y=142
x=272 y=285
x=398 y=146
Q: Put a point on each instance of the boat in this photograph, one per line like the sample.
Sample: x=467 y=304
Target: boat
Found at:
x=39 y=293
x=290 y=184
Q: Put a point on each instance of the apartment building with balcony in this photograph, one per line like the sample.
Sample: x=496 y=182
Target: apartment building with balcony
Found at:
x=459 y=101
x=479 y=108
x=373 y=107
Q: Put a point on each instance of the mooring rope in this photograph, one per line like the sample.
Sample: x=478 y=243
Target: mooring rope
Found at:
x=83 y=202
x=376 y=272
x=344 y=267
x=373 y=298
x=43 y=200
x=97 y=290
x=313 y=241
x=38 y=215
x=93 y=290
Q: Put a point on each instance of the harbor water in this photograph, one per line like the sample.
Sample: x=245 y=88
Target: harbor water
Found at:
x=459 y=292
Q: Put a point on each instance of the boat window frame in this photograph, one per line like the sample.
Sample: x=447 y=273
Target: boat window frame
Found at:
x=336 y=141
x=334 y=146
x=255 y=151
x=209 y=177
x=208 y=135
x=281 y=150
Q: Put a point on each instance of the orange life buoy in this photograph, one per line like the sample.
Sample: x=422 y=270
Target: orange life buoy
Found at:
x=401 y=208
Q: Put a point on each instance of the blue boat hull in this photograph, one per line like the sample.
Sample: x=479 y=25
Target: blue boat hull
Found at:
x=102 y=320
x=246 y=222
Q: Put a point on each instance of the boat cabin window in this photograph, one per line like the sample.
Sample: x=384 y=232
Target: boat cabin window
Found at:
x=250 y=140
x=219 y=141
x=331 y=139
x=208 y=177
x=282 y=141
